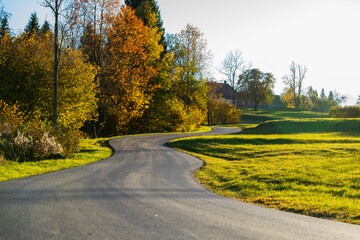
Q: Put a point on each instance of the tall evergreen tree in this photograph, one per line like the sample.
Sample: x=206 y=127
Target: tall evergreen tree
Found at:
x=33 y=24
x=4 y=27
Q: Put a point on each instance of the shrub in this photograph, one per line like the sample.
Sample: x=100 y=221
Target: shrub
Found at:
x=221 y=112
x=68 y=137
x=345 y=112
x=24 y=140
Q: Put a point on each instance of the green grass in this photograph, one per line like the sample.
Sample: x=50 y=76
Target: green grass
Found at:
x=297 y=126
x=251 y=116
x=202 y=129
x=91 y=150
x=303 y=165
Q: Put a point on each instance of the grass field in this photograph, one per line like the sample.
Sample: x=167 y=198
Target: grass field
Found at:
x=298 y=163
x=91 y=150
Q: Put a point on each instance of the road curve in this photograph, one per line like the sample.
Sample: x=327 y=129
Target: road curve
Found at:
x=146 y=190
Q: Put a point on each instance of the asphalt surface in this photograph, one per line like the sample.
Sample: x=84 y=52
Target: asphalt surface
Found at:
x=146 y=190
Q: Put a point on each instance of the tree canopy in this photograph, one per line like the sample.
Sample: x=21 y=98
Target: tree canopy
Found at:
x=256 y=86
x=125 y=84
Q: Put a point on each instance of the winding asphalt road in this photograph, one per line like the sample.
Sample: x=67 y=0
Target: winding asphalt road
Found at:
x=146 y=190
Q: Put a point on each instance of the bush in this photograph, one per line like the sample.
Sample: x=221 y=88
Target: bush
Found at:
x=345 y=112
x=22 y=139
x=221 y=112
x=68 y=137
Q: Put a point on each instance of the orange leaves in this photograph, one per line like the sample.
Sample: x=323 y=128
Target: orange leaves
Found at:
x=10 y=117
x=125 y=85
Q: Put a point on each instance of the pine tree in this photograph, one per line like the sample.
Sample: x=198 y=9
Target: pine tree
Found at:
x=322 y=94
x=133 y=3
x=4 y=27
x=45 y=28
x=33 y=24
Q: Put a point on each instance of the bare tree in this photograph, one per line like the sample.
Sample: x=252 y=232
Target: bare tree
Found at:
x=294 y=82
x=232 y=67
x=64 y=14
x=94 y=22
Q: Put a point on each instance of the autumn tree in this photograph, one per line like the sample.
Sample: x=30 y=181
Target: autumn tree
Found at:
x=218 y=110
x=148 y=11
x=165 y=112
x=125 y=85
x=212 y=96
x=26 y=78
x=294 y=82
x=258 y=86
x=191 y=64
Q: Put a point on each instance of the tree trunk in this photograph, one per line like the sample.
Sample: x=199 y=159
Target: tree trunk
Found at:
x=209 y=116
x=56 y=64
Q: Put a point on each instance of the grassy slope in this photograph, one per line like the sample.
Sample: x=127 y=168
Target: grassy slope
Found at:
x=294 y=163
x=91 y=150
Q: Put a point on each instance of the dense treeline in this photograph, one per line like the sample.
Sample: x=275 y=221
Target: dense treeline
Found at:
x=294 y=95
x=345 y=112
x=107 y=69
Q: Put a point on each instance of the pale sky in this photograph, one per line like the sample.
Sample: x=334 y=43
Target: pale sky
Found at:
x=324 y=35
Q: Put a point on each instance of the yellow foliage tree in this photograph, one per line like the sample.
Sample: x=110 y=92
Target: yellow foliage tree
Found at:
x=218 y=110
x=26 y=77
x=288 y=98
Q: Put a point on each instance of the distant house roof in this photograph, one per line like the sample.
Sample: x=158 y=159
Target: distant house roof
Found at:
x=226 y=90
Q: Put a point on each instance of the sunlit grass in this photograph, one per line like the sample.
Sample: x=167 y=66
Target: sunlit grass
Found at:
x=202 y=129
x=314 y=172
x=91 y=150
x=296 y=126
x=251 y=116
